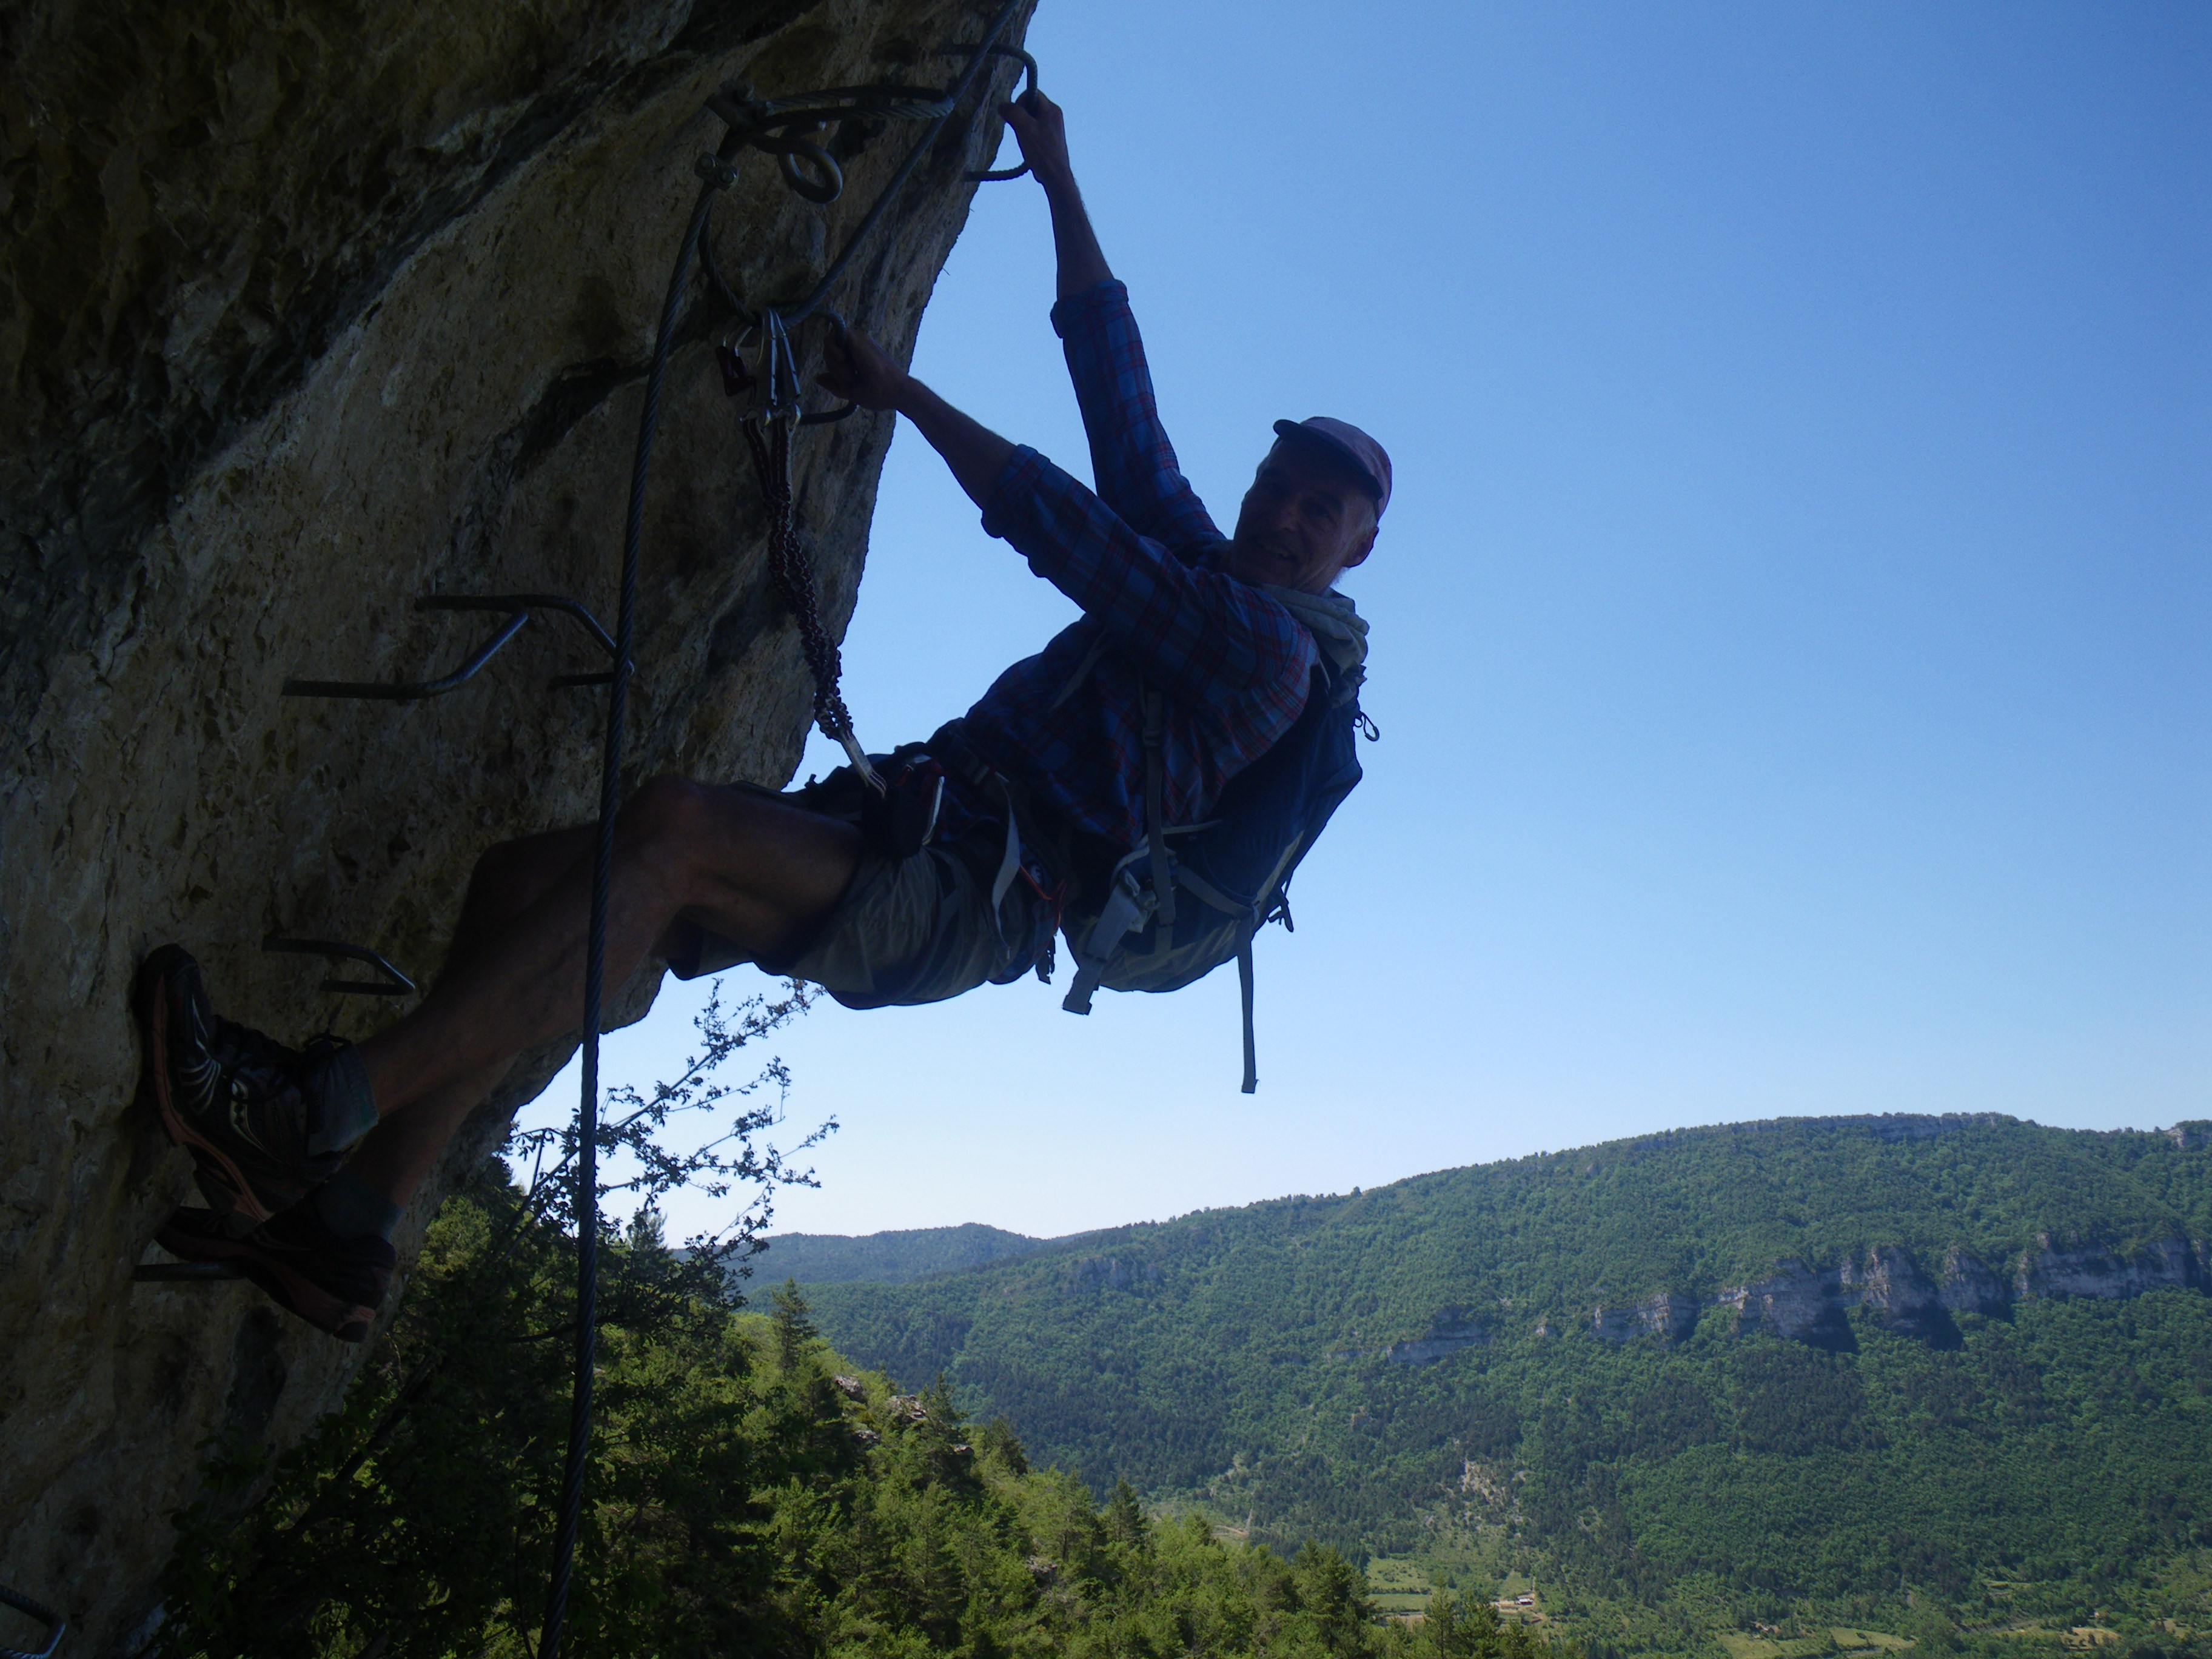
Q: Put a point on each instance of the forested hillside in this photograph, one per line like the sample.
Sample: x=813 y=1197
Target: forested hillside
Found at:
x=886 y=1258
x=751 y=1494
x=1888 y=1374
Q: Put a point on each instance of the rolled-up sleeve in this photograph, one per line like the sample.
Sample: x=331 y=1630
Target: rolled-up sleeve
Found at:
x=1131 y=462
x=1199 y=634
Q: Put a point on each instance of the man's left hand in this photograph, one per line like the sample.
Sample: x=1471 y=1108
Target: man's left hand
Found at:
x=856 y=368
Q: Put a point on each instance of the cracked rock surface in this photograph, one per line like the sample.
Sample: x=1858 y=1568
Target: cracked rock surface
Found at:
x=309 y=310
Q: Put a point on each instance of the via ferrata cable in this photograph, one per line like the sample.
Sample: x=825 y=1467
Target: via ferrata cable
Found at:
x=750 y=124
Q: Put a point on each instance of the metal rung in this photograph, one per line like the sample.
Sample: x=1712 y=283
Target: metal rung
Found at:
x=517 y=606
x=1028 y=63
x=55 y=1624
x=184 y=1273
x=399 y=984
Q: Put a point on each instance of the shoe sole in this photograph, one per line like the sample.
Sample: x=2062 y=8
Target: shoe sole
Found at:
x=219 y=1168
x=348 y=1322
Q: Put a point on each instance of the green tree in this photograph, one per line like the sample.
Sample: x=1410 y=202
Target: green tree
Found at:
x=1125 y=1522
x=794 y=1331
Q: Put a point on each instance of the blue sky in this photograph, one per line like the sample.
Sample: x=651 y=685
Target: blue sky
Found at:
x=1790 y=627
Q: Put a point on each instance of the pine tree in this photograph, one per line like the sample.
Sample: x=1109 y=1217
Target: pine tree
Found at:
x=794 y=1331
x=1125 y=1517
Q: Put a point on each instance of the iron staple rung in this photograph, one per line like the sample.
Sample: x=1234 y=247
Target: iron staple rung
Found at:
x=184 y=1273
x=518 y=607
x=56 y=1624
x=399 y=985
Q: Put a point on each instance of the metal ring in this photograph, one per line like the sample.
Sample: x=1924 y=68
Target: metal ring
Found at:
x=810 y=171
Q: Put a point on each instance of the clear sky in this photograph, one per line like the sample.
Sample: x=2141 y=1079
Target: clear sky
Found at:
x=1790 y=627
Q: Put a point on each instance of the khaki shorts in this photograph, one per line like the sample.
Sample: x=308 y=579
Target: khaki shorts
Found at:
x=908 y=930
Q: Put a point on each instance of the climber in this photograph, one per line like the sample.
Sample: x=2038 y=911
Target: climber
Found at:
x=307 y=1157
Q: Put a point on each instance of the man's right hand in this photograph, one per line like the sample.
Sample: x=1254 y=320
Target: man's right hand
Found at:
x=1042 y=130
x=856 y=368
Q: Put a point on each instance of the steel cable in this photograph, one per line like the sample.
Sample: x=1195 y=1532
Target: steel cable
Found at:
x=595 y=950
x=789 y=564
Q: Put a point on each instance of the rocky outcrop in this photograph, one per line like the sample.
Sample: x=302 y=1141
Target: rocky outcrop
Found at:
x=1108 y=1273
x=1813 y=1305
x=1794 y=1301
x=1967 y=1286
x=1448 y=1339
x=2088 y=1270
x=1670 y=1315
x=308 y=312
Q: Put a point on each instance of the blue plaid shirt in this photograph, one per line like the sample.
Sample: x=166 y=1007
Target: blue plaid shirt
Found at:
x=1140 y=556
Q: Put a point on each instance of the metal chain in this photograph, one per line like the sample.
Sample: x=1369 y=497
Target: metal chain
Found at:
x=770 y=444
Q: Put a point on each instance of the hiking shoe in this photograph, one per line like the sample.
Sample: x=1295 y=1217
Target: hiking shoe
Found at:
x=246 y=1108
x=336 y=1285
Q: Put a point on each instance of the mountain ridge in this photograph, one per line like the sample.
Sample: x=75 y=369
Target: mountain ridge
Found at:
x=889 y=1257
x=1803 y=1362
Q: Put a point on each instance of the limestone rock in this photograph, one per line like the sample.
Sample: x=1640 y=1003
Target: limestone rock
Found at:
x=1442 y=1341
x=308 y=310
x=2046 y=1270
x=1670 y=1314
x=1968 y=1286
x=1794 y=1301
x=1106 y=1273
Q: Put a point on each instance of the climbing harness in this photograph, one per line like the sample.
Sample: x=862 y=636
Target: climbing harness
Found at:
x=785 y=128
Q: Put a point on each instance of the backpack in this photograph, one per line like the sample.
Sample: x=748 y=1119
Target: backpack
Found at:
x=1229 y=876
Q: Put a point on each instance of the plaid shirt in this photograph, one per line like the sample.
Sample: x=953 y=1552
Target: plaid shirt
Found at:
x=1139 y=556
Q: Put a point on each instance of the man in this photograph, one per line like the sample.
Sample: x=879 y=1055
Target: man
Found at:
x=309 y=1157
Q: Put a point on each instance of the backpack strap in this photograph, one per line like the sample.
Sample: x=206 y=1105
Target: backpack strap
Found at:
x=1082 y=669
x=1244 y=984
x=1128 y=907
x=1156 y=841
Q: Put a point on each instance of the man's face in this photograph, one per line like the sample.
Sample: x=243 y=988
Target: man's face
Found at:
x=1306 y=518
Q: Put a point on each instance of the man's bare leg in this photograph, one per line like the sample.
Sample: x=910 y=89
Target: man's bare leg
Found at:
x=756 y=870
x=507 y=881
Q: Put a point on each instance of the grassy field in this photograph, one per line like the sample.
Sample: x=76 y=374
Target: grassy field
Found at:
x=1398 y=1586
x=1836 y=1639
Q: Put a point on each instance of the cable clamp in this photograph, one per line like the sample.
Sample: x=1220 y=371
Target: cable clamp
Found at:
x=715 y=170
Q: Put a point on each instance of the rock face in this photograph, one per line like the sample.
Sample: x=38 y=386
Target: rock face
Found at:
x=1670 y=1314
x=309 y=311
x=1108 y=1273
x=2047 y=1270
x=1420 y=1350
x=1813 y=1305
x=1792 y=1301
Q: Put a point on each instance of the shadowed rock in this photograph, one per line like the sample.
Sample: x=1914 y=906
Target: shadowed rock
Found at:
x=310 y=311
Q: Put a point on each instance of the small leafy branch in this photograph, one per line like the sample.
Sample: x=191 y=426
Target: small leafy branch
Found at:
x=634 y=1123
x=447 y=1324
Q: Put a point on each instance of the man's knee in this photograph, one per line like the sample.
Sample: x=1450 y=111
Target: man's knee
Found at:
x=670 y=814
x=511 y=874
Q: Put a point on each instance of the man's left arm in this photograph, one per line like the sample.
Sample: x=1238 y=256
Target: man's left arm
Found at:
x=1131 y=462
